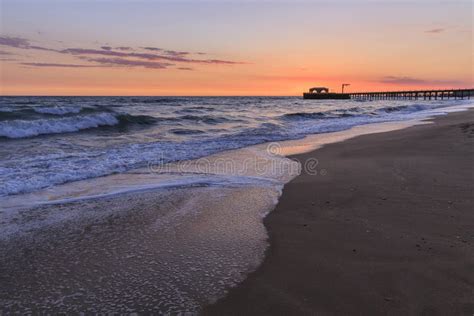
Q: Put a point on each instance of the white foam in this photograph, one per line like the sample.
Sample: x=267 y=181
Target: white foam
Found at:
x=28 y=128
x=246 y=166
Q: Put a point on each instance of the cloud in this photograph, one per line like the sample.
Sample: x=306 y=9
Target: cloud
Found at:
x=435 y=31
x=176 y=53
x=122 y=55
x=129 y=63
x=58 y=65
x=87 y=51
x=185 y=68
x=155 y=49
x=104 y=62
x=217 y=62
x=403 y=80
x=16 y=42
x=147 y=56
x=42 y=48
x=4 y=53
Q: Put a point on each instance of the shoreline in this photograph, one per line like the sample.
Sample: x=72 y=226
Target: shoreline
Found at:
x=385 y=231
x=127 y=165
x=90 y=219
x=136 y=180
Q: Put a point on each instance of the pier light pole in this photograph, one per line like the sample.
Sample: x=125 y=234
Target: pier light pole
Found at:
x=345 y=85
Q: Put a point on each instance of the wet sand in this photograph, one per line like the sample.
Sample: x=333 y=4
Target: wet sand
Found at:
x=385 y=228
x=165 y=252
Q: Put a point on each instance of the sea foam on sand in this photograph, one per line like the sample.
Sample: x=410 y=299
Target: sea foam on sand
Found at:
x=174 y=239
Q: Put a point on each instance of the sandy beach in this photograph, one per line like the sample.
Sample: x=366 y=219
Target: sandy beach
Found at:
x=386 y=229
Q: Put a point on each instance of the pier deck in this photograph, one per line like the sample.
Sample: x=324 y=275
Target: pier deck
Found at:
x=415 y=94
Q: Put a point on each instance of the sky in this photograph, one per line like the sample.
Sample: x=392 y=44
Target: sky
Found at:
x=144 y=47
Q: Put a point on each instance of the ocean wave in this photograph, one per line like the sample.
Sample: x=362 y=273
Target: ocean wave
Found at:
x=24 y=102
x=57 y=110
x=414 y=107
x=407 y=108
x=196 y=109
x=171 y=101
x=13 y=115
x=317 y=115
x=124 y=136
x=126 y=119
x=208 y=119
x=27 y=112
x=183 y=131
x=30 y=128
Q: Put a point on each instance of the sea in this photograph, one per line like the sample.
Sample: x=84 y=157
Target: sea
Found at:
x=155 y=205
x=47 y=141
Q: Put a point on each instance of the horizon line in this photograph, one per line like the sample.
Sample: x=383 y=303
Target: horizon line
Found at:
x=229 y=96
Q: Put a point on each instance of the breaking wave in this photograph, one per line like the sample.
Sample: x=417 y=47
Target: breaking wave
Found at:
x=69 y=124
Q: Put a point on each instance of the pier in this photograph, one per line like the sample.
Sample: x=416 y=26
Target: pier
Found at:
x=414 y=94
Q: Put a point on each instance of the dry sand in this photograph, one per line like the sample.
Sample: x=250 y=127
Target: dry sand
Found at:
x=387 y=230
